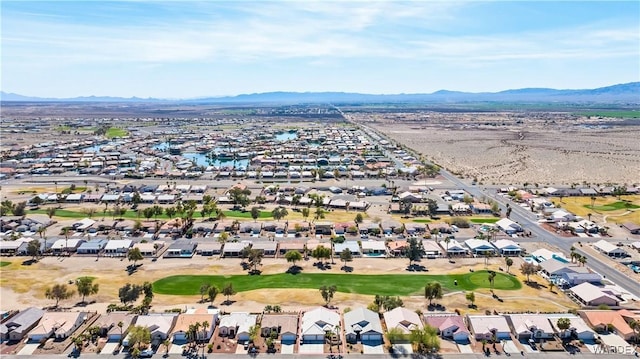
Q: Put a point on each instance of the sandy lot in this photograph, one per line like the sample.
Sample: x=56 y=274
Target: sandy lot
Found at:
x=510 y=148
x=22 y=286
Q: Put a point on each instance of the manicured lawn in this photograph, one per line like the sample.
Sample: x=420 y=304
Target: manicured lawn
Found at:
x=62 y=213
x=2 y=264
x=116 y=132
x=247 y=214
x=484 y=220
x=384 y=284
x=422 y=220
x=614 y=206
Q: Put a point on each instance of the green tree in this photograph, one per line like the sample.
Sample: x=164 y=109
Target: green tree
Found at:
x=433 y=291
x=212 y=293
x=148 y=212
x=58 y=292
x=293 y=256
x=492 y=279
x=129 y=293
x=359 y=218
x=139 y=336
x=327 y=293
x=85 y=287
x=563 y=324
x=255 y=213
x=255 y=259
x=204 y=288
x=134 y=255
x=509 y=262
x=471 y=297
x=414 y=252
x=346 y=256
x=170 y=211
x=239 y=197
x=305 y=213
x=33 y=249
x=396 y=335
x=51 y=211
x=528 y=269
x=228 y=291
x=321 y=253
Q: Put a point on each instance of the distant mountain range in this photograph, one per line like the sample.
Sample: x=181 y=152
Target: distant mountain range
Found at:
x=621 y=93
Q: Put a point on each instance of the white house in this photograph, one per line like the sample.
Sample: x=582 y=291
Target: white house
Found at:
x=159 y=325
x=362 y=325
x=508 y=226
x=488 y=326
x=609 y=249
x=531 y=326
x=507 y=247
x=479 y=246
x=577 y=328
x=402 y=318
x=236 y=324
x=58 y=324
x=316 y=323
x=591 y=295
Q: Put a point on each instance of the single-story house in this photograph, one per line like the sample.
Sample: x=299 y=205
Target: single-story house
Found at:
x=236 y=325
x=455 y=248
x=316 y=323
x=324 y=228
x=285 y=246
x=209 y=248
x=268 y=248
x=609 y=249
x=15 y=328
x=233 y=249
x=507 y=247
x=531 y=326
x=571 y=279
x=109 y=327
x=286 y=325
x=181 y=249
x=479 y=246
x=431 y=248
x=159 y=325
x=117 y=247
x=149 y=249
x=374 y=247
x=599 y=320
x=487 y=326
x=66 y=245
x=631 y=227
x=350 y=245
x=402 y=318
x=591 y=295
x=578 y=328
x=93 y=246
x=362 y=325
x=58 y=324
x=184 y=320
x=508 y=226
x=449 y=325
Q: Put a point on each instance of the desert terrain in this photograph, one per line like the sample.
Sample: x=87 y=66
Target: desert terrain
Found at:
x=517 y=148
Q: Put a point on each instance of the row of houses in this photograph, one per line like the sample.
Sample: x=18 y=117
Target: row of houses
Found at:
x=313 y=326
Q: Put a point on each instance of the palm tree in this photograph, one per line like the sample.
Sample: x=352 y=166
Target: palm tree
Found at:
x=492 y=279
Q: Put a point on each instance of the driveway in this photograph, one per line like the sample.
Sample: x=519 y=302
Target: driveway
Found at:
x=29 y=348
x=509 y=346
x=176 y=347
x=372 y=349
x=109 y=348
x=465 y=348
x=311 y=349
x=287 y=348
x=402 y=349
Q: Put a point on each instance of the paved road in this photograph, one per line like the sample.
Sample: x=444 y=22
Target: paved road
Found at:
x=540 y=355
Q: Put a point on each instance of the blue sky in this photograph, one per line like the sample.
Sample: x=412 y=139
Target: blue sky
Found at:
x=193 y=49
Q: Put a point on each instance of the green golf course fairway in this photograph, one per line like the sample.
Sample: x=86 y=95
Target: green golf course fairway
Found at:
x=382 y=284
